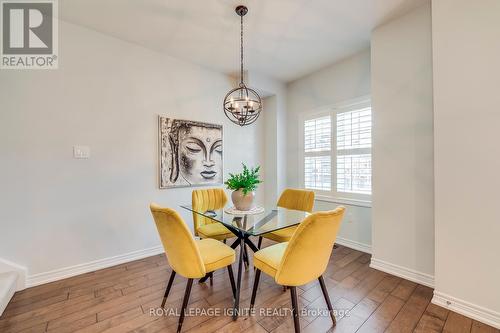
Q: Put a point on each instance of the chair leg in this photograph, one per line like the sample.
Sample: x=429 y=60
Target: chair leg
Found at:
x=327 y=299
x=169 y=285
x=184 y=304
x=231 y=279
x=211 y=278
x=295 y=309
x=255 y=287
x=260 y=242
x=203 y=279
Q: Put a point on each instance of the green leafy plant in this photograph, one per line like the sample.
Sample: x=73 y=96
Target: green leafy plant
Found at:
x=247 y=180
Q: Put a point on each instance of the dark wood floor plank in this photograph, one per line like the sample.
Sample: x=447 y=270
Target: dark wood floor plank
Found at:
x=432 y=320
x=281 y=305
x=345 y=271
x=372 y=279
x=404 y=289
x=133 y=324
x=409 y=316
x=26 y=306
x=364 y=308
x=356 y=317
x=478 y=327
x=52 y=312
x=255 y=329
x=111 y=322
x=437 y=311
x=349 y=258
x=57 y=286
x=312 y=293
x=362 y=272
x=169 y=323
x=324 y=323
x=71 y=326
x=456 y=323
x=245 y=323
x=20 y=301
x=120 y=298
x=365 y=258
x=382 y=317
x=428 y=323
x=384 y=288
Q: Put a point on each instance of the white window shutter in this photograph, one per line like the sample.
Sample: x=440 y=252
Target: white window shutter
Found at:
x=354 y=141
x=317 y=150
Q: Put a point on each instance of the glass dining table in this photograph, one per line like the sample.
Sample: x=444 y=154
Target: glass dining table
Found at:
x=246 y=225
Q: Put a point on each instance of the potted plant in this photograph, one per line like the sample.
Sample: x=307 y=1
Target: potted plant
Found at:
x=244 y=185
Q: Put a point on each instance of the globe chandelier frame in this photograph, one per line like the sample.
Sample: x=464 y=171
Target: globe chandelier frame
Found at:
x=242 y=105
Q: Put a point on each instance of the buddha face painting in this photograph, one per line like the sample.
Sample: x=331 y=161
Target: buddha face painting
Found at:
x=190 y=153
x=200 y=154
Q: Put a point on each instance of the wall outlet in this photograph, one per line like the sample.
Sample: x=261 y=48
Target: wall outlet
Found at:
x=81 y=152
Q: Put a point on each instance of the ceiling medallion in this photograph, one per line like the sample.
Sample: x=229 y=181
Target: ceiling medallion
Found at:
x=242 y=105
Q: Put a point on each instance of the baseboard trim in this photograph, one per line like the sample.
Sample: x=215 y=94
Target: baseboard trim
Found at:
x=467 y=309
x=22 y=272
x=404 y=272
x=66 y=272
x=354 y=245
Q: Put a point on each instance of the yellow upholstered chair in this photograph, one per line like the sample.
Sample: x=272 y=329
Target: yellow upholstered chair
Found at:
x=205 y=200
x=188 y=257
x=294 y=199
x=303 y=259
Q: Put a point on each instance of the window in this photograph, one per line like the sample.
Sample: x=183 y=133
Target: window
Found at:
x=317 y=147
x=337 y=158
x=354 y=159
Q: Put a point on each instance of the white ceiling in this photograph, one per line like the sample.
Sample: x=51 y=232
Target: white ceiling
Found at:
x=284 y=39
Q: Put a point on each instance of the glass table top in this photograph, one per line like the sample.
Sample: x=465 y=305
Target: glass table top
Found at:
x=272 y=219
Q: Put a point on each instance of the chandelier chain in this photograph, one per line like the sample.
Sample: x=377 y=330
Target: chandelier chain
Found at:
x=241 y=52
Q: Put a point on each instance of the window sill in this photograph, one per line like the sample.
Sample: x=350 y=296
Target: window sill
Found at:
x=345 y=201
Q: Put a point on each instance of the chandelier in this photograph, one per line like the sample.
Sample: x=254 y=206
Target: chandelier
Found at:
x=242 y=105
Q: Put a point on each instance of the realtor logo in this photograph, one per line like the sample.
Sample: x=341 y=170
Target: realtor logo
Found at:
x=29 y=34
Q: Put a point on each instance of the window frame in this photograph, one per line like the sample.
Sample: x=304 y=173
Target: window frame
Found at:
x=357 y=199
x=320 y=153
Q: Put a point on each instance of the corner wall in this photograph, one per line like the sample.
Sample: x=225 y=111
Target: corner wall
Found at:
x=466 y=43
x=403 y=198
x=274 y=119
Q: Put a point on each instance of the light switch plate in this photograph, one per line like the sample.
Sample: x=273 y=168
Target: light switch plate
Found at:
x=81 y=151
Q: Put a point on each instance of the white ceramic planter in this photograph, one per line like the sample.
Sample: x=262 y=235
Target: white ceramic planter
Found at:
x=242 y=201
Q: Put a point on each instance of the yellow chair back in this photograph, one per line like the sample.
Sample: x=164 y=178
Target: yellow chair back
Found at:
x=297 y=200
x=206 y=199
x=308 y=252
x=182 y=252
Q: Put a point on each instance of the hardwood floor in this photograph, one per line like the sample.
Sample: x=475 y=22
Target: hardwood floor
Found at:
x=119 y=299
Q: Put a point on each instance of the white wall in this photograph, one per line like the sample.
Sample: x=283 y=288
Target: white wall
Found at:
x=343 y=81
x=466 y=48
x=403 y=201
x=56 y=211
x=274 y=118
